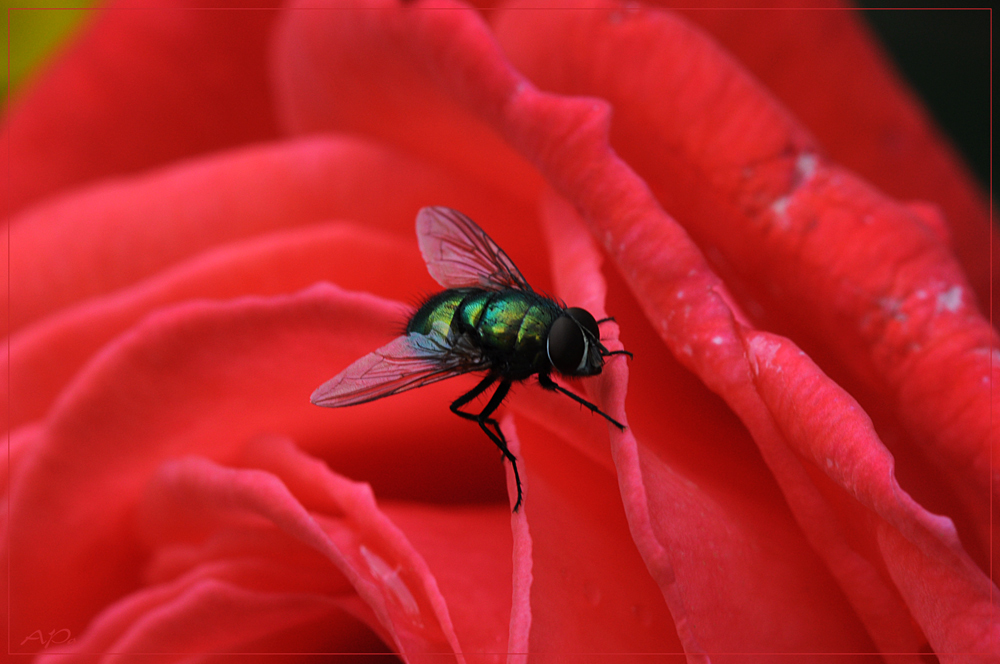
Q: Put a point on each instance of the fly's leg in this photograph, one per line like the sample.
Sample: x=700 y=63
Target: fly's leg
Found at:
x=549 y=384
x=604 y=351
x=485 y=421
x=483 y=385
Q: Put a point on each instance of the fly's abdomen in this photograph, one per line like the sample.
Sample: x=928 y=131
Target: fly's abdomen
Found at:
x=437 y=313
x=508 y=327
x=497 y=319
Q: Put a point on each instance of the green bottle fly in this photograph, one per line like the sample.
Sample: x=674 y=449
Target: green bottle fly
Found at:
x=488 y=320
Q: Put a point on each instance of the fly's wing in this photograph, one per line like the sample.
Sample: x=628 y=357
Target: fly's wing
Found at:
x=460 y=255
x=403 y=364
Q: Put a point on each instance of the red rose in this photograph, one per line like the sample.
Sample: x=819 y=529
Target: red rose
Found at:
x=213 y=214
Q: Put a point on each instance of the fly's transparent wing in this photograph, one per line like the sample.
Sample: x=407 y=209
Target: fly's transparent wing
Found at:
x=403 y=364
x=460 y=255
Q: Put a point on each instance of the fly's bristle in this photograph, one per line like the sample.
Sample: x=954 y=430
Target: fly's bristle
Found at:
x=414 y=303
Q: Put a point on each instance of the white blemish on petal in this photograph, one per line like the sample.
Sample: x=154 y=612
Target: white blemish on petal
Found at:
x=829 y=462
x=991 y=355
x=892 y=307
x=762 y=351
x=806 y=165
x=390 y=580
x=780 y=210
x=950 y=300
x=717 y=341
x=686 y=349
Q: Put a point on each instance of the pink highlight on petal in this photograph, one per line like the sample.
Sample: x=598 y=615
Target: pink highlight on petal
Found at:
x=576 y=261
x=520 y=613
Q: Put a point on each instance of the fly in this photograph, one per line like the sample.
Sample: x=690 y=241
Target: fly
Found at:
x=487 y=320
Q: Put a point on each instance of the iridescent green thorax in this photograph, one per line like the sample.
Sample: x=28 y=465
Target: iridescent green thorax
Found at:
x=510 y=327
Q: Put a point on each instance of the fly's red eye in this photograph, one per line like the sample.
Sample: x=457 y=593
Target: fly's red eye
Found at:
x=567 y=345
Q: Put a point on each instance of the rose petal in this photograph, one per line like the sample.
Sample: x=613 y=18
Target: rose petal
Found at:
x=113 y=235
x=370 y=86
x=567 y=139
x=200 y=377
x=721 y=525
x=523 y=555
x=576 y=261
x=862 y=281
x=354 y=535
x=468 y=552
x=863 y=114
x=192 y=498
x=210 y=616
x=44 y=356
x=140 y=87
x=836 y=435
x=585 y=569
x=463 y=552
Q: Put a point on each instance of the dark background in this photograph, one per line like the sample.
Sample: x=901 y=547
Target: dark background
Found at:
x=945 y=55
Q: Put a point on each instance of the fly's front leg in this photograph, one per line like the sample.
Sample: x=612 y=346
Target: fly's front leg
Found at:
x=546 y=382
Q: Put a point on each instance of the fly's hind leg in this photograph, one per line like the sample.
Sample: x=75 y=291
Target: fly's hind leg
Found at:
x=485 y=420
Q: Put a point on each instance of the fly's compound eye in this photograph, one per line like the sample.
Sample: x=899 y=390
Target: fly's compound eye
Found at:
x=567 y=346
x=584 y=318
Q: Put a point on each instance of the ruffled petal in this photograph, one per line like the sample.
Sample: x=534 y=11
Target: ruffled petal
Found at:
x=111 y=236
x=204 y=378
x=780 y=493
x=861 y=280
x=45 y=356
x=585 y=569
x=751 y=158
x=373 y=86
x=863 y=115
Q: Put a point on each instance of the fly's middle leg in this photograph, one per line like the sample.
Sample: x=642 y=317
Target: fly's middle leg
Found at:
x=485 y=420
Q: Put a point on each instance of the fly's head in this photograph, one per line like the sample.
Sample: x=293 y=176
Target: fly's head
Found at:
x=574 y=344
